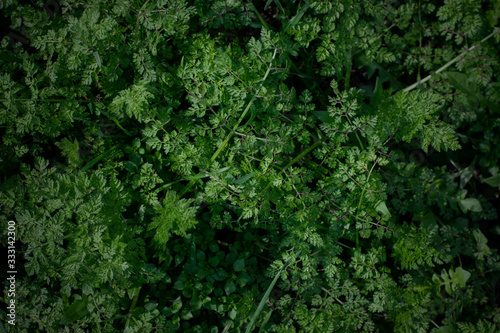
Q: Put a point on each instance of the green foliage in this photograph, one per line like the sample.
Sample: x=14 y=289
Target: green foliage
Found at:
x=173 y=217
x=165 y=163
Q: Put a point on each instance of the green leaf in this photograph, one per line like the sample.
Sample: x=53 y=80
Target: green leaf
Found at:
x=195 y=303
x=70 y=150
x=252 y=117
x=470 y=204
x=483 y=250
x=150 y=306
x=99 y=158
x=294 y=20
x=459 y=276
x=177 y=305
x=263 y=301
x=97 y=58
x=232 y=313
x=378 y=92
x=245 y=178
x=372 y=66
x=76 y=311
x=239 y=265
x=493 y=181
x=381 y=207
x=186 y=314
x=230 y=287
x=324 y=116
x=214 y=261
x=243 y=279
x=444 y=329
x=179 y=284
x=465 y=175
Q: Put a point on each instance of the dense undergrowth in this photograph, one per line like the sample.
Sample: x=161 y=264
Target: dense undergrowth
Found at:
x=164 y=161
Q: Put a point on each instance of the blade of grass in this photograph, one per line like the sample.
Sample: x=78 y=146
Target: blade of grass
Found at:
x=115 y=121
x=266 y=296
x=99 y=158
x=268 y=316
x=294 y=20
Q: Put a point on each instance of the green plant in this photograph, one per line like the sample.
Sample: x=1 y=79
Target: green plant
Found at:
x=167 y=161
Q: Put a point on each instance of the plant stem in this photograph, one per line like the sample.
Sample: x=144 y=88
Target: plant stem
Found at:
x=98 y=158
x=116 y=122
x=305 y=152
x=230 y=135
x=347 y=81
x=360 y=201
x=451 y=62
x=132 y=307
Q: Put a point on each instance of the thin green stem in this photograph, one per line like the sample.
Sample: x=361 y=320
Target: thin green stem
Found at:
x=328 y=292
x=347 y=81
x=361 y=200
x=132 y=307
x=305 y=152
x=116 y=122
x=432 y=321
x=357 y=136
x=230 y=135
x=261 y=19
x=99 y=158
x=451 y=62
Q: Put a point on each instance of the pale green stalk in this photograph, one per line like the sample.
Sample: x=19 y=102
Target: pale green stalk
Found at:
x=360 y=201
x=451 y=62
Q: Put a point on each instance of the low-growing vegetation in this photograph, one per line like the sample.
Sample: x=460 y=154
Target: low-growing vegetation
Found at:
x=251 y=166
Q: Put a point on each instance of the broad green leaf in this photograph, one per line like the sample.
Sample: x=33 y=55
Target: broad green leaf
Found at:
x=465 y=175
x=243 y=279
x=264 y=323
x=186 y=314
x=377 y=92
x=76 y=311
x=493 y=181
x=444 y=329
x=372 y=66
x=214 y=261
x=150 y=306
x=470 y=204
x=249 y=122
x=177 y=305
x=324 y=116
x=381 y=207
x=137 y=311
x=195 y=302
x=239 y=265
x=459 y=277
x=232 y=313
x=230 y=287
x=179 y=284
